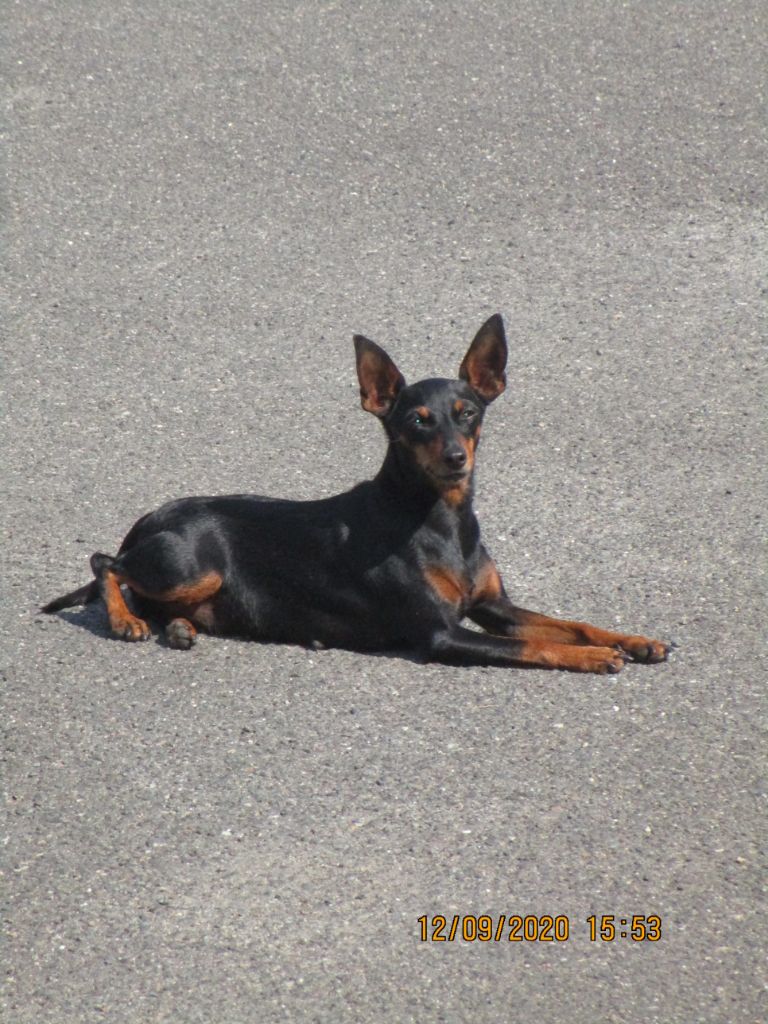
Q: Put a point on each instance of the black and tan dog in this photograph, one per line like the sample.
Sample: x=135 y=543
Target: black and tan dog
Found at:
x=393 y=564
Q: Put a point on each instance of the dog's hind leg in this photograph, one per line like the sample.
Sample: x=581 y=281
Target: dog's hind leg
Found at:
x=122 y=622
x=164 y=571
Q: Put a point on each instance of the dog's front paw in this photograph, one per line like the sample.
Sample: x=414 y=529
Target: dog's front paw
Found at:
x=602 y=660
x=640 y=648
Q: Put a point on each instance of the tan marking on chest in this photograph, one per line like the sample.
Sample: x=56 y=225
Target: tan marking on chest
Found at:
x=457 y=494
x=487 y=584
x=447 y=584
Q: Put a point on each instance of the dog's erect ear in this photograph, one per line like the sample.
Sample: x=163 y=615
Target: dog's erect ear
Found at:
x=483 y=365
x=380 y=380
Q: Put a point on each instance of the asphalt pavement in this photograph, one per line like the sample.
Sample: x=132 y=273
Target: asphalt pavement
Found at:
x=203 y=203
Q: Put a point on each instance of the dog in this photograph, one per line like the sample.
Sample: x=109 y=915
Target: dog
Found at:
x=394 y=564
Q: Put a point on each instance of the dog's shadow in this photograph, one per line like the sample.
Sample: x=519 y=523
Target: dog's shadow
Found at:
x=88 y=617
x=93 y=619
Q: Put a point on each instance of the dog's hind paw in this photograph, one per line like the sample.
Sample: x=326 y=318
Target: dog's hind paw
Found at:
x=130 y=628
x=180 y=634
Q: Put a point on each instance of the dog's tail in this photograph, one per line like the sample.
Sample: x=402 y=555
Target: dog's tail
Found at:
x=84 y=595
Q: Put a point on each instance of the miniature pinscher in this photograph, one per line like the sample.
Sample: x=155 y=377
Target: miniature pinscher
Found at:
x=394 y=564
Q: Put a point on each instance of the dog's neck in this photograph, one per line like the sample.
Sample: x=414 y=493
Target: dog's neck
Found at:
x=408 y=485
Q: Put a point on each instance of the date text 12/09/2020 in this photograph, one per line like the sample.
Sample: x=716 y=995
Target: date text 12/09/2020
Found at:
x=533 y=928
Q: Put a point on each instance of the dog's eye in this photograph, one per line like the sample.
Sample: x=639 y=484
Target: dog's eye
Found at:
x=468 y=414
x=421 y=418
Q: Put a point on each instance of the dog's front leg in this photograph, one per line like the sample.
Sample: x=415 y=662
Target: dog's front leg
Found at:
x=501 y=618
x=455 y=645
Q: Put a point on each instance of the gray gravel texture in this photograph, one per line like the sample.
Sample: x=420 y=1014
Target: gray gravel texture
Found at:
x=204 y=201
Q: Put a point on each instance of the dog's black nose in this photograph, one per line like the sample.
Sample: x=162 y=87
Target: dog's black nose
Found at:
x=455 y=457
